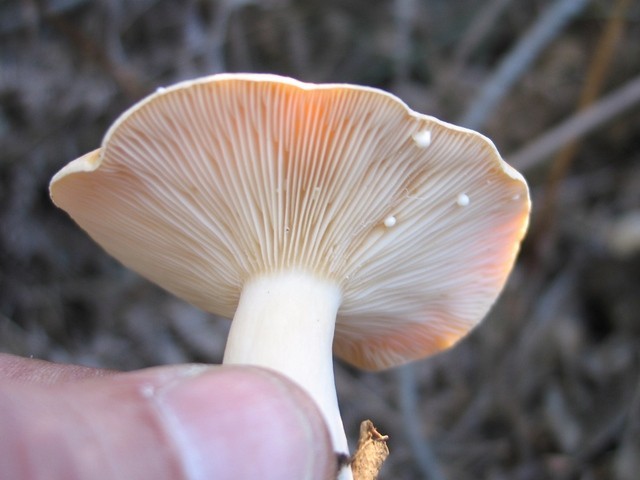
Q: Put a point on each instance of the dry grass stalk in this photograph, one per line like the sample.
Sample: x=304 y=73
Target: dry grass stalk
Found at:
x=598 y=70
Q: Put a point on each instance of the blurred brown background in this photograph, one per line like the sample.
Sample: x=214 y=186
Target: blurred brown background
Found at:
x=547 y=386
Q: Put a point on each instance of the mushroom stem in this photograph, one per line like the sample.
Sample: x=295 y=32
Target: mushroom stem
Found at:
x=285 y=321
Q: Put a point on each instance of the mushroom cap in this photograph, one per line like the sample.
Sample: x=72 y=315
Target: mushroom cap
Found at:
x=208 y=183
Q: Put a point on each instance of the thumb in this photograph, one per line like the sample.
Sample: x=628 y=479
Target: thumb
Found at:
x=173 y=423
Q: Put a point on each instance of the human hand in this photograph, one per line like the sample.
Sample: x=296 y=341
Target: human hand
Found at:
x=180 y=422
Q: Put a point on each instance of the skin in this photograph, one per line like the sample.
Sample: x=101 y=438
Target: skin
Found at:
x=179 y=422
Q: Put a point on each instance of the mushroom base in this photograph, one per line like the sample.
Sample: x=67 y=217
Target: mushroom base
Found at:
x=286 y=322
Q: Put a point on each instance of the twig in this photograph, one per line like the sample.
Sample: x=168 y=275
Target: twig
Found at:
x=480 y=26
x=624 y=98
x=596 y=74
x=546 y=28
x=126 y=77
x=425 y=459
x=404 y=13
x=18 y=15
x=371 y=453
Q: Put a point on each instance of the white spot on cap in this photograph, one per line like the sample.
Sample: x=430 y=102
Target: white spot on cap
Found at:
x=160 y=90
x=463 y=200
x=422 y=138
x=390 y=221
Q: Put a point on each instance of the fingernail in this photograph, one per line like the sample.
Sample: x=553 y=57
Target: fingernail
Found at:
x=243 y=423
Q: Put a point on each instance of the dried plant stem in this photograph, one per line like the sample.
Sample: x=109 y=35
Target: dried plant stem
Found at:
x=424 y=457
x=128 y=79
x=483 y=23
x=404 y=12
x=597 y=72
x=623 y=99
x=545 y=29
x=371 y=453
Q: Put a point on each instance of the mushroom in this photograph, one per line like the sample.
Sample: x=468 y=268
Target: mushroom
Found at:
x=319 y=217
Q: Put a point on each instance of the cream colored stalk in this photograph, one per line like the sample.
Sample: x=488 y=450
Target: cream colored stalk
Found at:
x=285 y=322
